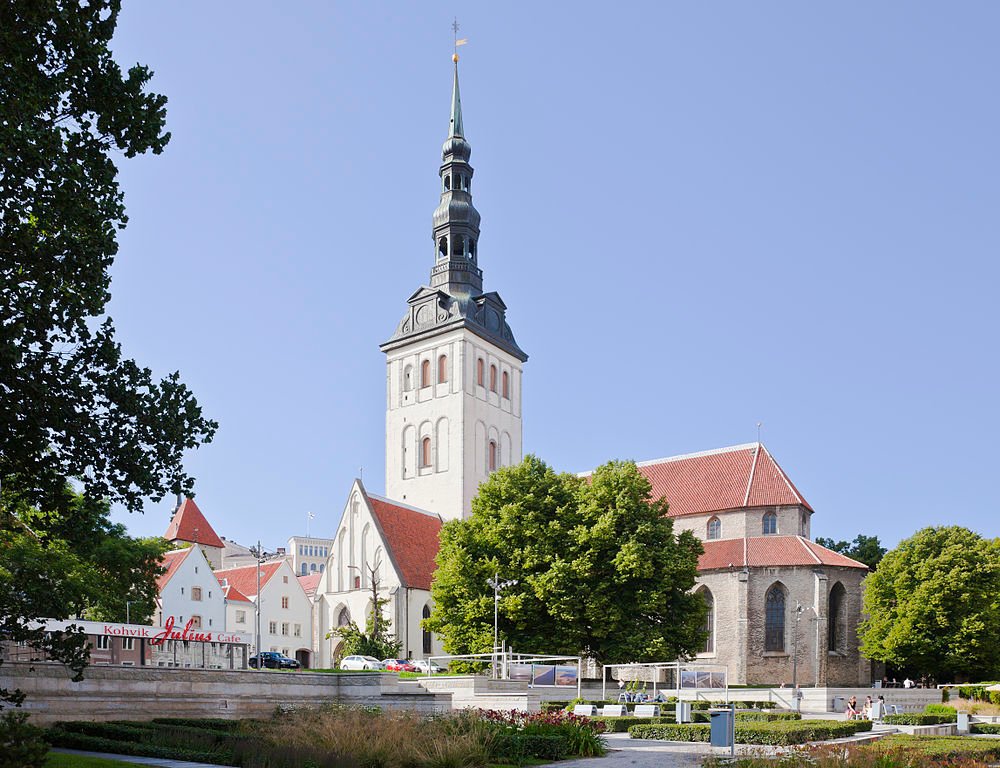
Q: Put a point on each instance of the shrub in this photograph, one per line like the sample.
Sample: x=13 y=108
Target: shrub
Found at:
x=778 y=733
x=990 y=728
x=21 y=745
x=203 y=723
x=517 y=746
x=668 y=732
x=767 y=717
x=622 y=724
x=941 y=709
x=916 y=718
x=73 y=740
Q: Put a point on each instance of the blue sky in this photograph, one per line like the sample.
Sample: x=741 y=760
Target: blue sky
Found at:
x=700 y=216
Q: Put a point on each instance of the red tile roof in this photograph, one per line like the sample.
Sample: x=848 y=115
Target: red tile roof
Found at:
x=244 y=578
x=310 y=583
x=171 y=561
x=411 y=537
x=189 y=524
x=727 y=478
x=233 y=595
x=771 y=551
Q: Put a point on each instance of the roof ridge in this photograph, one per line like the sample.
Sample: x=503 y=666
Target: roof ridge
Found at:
x=696 y=454
x=753 y=469
x=808 y=549
x=784 y=477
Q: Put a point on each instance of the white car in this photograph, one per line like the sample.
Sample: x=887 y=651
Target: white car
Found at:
x=427 y=667
x=360 y=662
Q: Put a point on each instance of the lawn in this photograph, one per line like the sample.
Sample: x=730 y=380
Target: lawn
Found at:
x=58 y=760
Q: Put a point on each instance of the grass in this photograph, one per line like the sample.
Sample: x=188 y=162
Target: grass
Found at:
x=59 y=760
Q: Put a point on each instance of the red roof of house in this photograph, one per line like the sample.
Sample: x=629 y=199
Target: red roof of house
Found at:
x=310 y=583
x=411 y=537
x=771 y=551
x=189 y=524
x=727 y=478
x=233 y=595
x=244 y=579
x=171 y=561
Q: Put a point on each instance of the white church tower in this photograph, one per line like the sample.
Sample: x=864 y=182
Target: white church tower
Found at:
x=453 y=410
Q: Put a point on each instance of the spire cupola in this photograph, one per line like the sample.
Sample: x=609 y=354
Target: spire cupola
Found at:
x=456 y=220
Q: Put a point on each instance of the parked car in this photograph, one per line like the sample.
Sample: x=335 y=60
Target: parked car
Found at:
x=427 y=667
x=360 y=662
x=272 y=660
x=398 y=665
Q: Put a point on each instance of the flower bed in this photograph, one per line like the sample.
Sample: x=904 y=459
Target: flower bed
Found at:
x=777 y=733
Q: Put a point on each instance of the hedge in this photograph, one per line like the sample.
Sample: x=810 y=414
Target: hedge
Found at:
x=71 y=740
x=516 y=746
x=767 y=717
x=917 y=718
x=778 y=733
x=938 y=748
x=202 y=723
x=622 y=724
x=991 y=728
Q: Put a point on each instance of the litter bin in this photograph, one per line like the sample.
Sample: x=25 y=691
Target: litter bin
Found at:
x=722 y=727
x=839 y=704
x=963 y=722
x=683 y=712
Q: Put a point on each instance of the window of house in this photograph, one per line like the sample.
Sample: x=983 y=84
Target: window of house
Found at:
x=714 y=528
x=297 y=631
x=493 y=455
x=241 y=617
x=425 y=373
x=357 y=582
x=480 y=368
x=425 y=452
x=103 y=642
x=426 y=614
x=322 y=567
x=284 y=602
x=272 y=627
x=128 y=643
x=196 y=622
x=709 y=625
x=304 y=569
x=769 y=523
x=284 y=579
x=774 y=619
x=493 y=378
x=505 y=385
x=442 y=369
x=312 y=568
x=284 y=627
x=182 y=590
x=196 y=593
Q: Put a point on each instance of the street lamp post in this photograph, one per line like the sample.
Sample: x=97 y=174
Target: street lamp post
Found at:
x=128 y=615
x=497 y=587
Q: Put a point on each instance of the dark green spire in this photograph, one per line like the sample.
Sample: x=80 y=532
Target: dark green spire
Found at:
x=455 y=127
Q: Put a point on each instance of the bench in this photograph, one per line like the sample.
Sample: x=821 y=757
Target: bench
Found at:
x=613 y=710
x=647 y=710
x=586 y=710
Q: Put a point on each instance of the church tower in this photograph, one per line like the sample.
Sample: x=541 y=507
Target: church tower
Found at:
x=453 y=410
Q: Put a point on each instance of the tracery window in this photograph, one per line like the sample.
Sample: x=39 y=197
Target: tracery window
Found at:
x=769 y=523
x=426 y=614
x=714 y=528
x=774 y=619
x=709 y=626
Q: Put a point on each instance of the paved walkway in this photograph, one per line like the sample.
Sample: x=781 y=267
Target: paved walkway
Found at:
x=157 y=761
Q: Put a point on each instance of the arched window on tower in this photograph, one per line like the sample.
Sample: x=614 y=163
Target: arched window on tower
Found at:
x=425 y=373
x=447 y=183
x=472 y=249
x=458 y=245
x=769 y=523
x=709 y=625
x=493 y=378
x=774 y=619
x=443 y=247
x=836 y=619
x=442 y=369
x=714 y=528
x=426 y=614
x=479 y=372
x=493 y=455
x=425 y=452
x=505 y=385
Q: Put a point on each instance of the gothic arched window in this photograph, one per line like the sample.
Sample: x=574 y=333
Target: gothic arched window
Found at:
x=343 y=618
x=709 y=625
x=442 y=369
x=774 y=619
x=425 y=373
x=505 y=385
x=426 y=614
x=769 y=523
x=493 y=455
x=443 y=247
x=425 y=452
x=493 y=378
x=836 y=618
x=714 y=528
x=479 y=372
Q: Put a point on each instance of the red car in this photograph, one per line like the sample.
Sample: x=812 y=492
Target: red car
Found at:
x=399 y=665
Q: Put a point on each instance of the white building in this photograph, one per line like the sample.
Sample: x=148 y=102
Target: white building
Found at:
x=308 y=554
x=189 y=592
x=189 y=526
x=286 y=612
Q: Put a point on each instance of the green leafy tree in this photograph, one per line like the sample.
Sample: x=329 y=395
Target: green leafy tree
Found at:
x=934 y=605
x=599 y=568
x=72 y=406
x=378 y=639
x=864 y=549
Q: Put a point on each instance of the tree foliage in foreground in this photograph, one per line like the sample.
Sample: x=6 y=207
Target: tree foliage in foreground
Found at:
x=864 y=549
x=599 y=568
x=934 y=605
x=72 y=406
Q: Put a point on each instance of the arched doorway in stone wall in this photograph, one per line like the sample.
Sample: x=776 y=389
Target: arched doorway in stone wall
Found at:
x=304 y=657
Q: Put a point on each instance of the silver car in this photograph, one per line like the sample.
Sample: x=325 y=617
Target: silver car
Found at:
x=426 y=666
x=360 y=663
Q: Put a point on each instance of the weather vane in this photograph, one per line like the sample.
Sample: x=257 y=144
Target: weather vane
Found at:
x=463 y=41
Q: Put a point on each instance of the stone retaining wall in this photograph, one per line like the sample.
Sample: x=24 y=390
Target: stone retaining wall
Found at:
x=136 y=693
